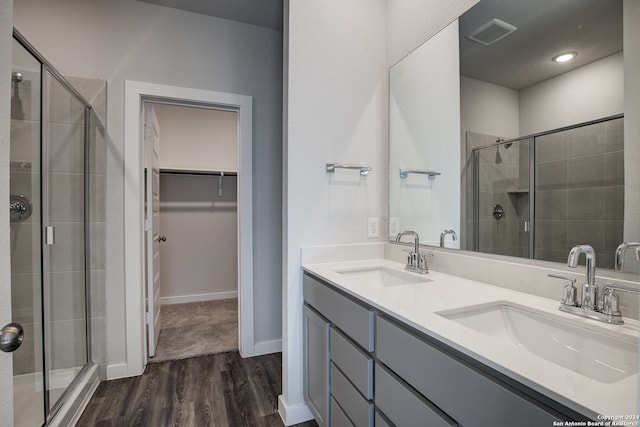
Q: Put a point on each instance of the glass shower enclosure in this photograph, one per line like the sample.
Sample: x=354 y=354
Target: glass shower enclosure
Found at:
x=50 y=227
x=539 y=196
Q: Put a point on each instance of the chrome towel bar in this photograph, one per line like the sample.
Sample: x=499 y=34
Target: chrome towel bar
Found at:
x=430 y=174
x=364 y=170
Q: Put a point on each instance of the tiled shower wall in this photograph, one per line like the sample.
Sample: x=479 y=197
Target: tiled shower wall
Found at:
x=580 y=191
x=95 y=91
x=503 y=180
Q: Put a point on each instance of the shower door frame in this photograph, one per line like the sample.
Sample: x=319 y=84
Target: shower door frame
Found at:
x=46 y=69
x=532 y=175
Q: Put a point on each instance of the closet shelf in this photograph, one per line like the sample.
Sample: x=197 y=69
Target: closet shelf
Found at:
x=198 y=172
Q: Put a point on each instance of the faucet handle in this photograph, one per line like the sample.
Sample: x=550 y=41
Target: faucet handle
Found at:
x=610 y=302
x=569 y=293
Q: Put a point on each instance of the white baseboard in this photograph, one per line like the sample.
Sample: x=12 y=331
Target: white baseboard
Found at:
x=293 y=414
x=116 y=371
x=267 y=347
x=181 y=299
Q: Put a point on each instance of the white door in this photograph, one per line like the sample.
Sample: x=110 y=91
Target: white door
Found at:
x=152 y=226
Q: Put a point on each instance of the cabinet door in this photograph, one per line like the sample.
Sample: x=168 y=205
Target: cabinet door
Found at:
x=316 y=365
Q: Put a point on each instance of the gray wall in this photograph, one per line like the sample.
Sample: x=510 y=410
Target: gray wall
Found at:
x=199 y=260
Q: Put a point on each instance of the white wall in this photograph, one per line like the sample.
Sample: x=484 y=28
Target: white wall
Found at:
x=6 y=359
x=197 y=138
x=488 y=108
x=590 y=92
x=130 y=40
x=336 y=95
x=425 y=135
x=336 y=98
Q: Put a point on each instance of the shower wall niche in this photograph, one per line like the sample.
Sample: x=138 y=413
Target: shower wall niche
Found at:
x=539 y=196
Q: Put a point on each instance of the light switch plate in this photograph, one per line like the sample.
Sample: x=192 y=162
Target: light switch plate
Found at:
x=394 y=226
x=372 y=227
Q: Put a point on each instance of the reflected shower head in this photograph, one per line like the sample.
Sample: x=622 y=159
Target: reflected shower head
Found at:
x=507 y=145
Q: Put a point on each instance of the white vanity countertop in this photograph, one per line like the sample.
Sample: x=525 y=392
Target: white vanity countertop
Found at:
x=417 y=305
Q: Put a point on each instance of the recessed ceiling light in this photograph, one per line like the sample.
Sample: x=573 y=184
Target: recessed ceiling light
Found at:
x=564 y=57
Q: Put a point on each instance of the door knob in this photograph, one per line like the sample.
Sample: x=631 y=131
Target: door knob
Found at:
x=162 y=238
x=11 y=337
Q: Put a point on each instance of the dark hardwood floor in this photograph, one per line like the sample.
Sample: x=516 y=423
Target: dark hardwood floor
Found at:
x=219 y=390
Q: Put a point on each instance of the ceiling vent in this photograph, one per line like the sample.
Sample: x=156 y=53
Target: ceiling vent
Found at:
x=491 y=32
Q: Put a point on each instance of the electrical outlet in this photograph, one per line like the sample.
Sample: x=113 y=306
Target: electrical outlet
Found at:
x=372 y=227
x=394 y=226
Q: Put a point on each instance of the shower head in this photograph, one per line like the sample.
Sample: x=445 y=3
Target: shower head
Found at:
x=507 y=145
x=16 y=77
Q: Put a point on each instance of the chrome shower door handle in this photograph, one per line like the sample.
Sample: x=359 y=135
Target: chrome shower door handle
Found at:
x=11 y=337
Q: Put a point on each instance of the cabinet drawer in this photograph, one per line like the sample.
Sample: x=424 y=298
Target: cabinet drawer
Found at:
x=353 y=362
x=464 y=392
x=381 y=421
x=354 y=319
x=338 y=417
x=404 y=407
x=359 y=410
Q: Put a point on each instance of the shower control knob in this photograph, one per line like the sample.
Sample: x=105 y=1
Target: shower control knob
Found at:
x=162 y=238
x=11 y=337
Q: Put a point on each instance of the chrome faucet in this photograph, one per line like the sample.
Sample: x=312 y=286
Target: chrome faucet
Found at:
x=454 y=236
x=589 y=300
x=621 y=251
x=588 y=305
x=416 y=261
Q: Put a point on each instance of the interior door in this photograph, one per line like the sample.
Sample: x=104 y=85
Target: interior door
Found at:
x=152 y=226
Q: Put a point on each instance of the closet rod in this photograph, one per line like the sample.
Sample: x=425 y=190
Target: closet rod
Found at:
x=198 y=172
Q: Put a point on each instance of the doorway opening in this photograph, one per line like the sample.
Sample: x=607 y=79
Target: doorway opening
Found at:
x=137 y=95
x=192 y=241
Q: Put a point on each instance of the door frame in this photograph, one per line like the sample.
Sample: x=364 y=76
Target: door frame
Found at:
x=136 y=93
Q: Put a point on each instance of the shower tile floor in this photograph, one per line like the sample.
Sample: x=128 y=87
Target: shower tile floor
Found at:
x=29 y=398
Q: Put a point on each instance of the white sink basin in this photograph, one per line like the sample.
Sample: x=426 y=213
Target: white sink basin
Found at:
x=382 y=276
x=593 y=352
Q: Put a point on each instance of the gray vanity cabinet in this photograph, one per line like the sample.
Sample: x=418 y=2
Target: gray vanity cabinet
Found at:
x=407 y=378
x=316 y=365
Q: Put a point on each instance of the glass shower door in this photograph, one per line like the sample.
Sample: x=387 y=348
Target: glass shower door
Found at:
x=64 y=250
x=25 y=238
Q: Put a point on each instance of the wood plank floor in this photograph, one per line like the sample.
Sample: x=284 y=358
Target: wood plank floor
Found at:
x=218 y=390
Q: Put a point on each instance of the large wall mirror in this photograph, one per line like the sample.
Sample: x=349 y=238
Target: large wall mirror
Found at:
x=513 y=151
